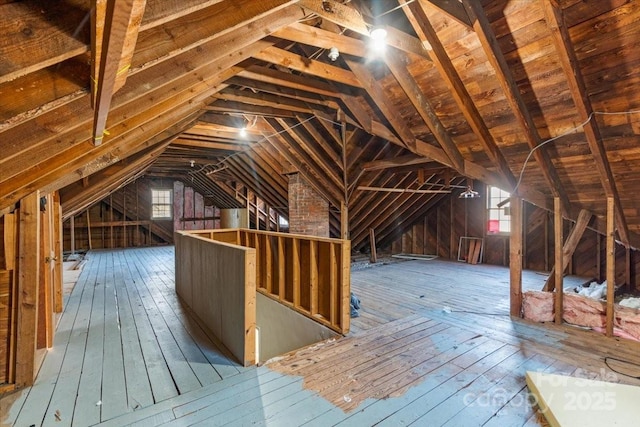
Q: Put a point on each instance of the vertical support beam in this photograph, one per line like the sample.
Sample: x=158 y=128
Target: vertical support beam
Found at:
x=333 y=280
x=72 y=226
x=515 y=256
x=45 y=286
x=28 y=276
x=295 y=271
x=89 y=228
x=611 y=263
x=281 y=269
x=627 y=269
x=372 y=243
x=345 y=286
x=557 y=238
x=313 y=276
x=58 y=278
x=344 y=221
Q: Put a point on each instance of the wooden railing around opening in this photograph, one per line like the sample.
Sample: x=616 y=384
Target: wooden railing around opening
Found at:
x=311 y=275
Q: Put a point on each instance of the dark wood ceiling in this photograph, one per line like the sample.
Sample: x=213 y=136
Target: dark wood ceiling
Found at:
x=92 y=97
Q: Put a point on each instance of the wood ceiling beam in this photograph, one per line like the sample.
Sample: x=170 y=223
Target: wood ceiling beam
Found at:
x=384 y=104
x=222 y=106
x=114 y=47
x=406 y=160
x=571 y=67
x=396 y=61
x=282 y=91
x=210 y=144
x=307 y=66
x=427 y=34
x=496 y=58
x=338 y=13
x=292 y=81
x=206 y=25
x=264 y=100
x=317 y=37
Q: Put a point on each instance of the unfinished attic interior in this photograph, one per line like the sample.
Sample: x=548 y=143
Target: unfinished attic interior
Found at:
x=191 y=192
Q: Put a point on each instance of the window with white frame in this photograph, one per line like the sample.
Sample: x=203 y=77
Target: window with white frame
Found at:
x=499 y=219
x=161 y=206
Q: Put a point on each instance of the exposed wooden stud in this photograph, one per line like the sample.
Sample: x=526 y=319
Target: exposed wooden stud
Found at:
x=611 y=264
x=559 y=259
x=313 y=277
x=628 y=278
x=373 y=258
x=569 y=247
x=46 y=328
x=516 y=256
x=28 y=278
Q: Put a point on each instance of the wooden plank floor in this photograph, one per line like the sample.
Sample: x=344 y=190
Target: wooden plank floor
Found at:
x=434 y=345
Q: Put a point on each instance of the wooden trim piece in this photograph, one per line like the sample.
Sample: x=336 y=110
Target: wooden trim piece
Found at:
x=28 y=276
x=611 y=264
x=515 y=257
x=559 y=263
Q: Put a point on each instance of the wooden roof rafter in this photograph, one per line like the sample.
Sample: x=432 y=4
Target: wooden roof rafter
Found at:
x=427 y=34
x=569 y=62
x=489 y=42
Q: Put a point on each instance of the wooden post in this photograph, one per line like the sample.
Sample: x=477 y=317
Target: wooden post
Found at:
x=372 y=242
x=72 y=226
x=89 y=228
x=515 y=256
x=344 y=221
x=557 y=236
x=611 y=263
x=45 y=285
x=28 y=276
x=627 y=269
x=57 y=248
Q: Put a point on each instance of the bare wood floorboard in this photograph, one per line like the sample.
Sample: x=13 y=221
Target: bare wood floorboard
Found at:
x=434 y=345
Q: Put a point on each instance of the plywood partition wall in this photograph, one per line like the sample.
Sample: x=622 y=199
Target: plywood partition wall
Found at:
x=217 y=280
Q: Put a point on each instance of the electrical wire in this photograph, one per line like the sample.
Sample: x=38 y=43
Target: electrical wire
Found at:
x=606 y=362
x=570 y=131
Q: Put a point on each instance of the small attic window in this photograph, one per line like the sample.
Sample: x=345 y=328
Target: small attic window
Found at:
x=161 y=204
x=499 y=219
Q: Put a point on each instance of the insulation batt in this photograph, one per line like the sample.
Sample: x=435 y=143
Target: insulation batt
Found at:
x=584 y=311
x=538 y=306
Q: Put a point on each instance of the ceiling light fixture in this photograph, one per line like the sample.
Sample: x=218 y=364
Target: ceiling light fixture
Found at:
x=333 y=53
x=243 y=132
x=469 y=194
x=378 y=33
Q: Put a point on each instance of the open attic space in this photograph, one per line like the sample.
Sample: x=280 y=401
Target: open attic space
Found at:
x=290 y=138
